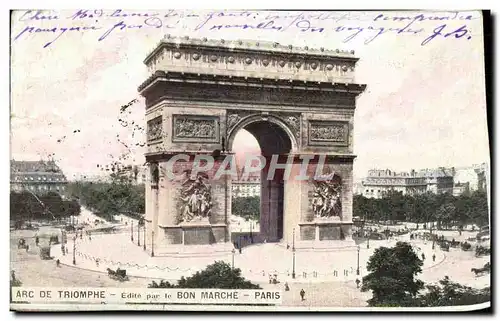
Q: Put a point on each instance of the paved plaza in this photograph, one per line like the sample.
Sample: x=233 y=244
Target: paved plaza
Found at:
x=314 y=270
x=259 y=261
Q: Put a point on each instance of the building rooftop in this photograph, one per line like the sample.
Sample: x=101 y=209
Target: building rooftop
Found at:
x=34 y=167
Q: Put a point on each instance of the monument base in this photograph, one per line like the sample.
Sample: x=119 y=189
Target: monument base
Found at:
x=181 y=250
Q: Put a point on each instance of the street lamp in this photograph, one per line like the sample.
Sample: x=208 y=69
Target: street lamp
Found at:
x=138 y=236
x=152 y=243
x=74 y=250
x=144 y=240
x=293 y=255
x=433 y=238
x=357 y=270
x=132 y=231
x=232 y=262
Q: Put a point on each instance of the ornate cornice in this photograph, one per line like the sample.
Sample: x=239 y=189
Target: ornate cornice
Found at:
x=252 y=59
x=249 y=81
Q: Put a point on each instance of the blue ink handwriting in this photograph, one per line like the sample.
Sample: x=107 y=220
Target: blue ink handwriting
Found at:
x=458 y=33
x=60 y=30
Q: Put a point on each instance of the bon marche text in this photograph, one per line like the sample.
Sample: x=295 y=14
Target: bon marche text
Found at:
x=349 y=26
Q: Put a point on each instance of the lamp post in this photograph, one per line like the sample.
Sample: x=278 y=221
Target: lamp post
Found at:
x=251 y=235
x=357 y=270
x=232 y=262
x=74 y=250
x=433 y=238
x=152 y=243
x=293 y=255
x=138 y=235
x=144 y=240
x=132 y=231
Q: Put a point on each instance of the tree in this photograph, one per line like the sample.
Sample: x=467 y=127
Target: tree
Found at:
x=246 y=207
x=448 y=293
x=392 y=276
x=218 y=275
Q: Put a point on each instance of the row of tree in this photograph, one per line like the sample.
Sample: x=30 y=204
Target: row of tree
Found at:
x=25 y=206
x=107 y=199
x=393 y=282
x=446 y=209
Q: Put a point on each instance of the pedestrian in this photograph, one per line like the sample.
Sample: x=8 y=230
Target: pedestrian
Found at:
x=433 y=257
x=287 y=288
x=302 y=294
x=37 y=240
x=423 y=257
x=58 y=262
x=13 y=275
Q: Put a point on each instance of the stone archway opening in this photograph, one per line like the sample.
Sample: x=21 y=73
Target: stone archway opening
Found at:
x=274 y=144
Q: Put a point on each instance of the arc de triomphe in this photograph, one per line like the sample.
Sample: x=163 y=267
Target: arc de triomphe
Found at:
x=299 y=104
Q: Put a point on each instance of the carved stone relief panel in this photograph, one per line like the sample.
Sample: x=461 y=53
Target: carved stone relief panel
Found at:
x=334 y=133
x=155 y=129
x=195 y=199
x=192 y=128
x=326 y=197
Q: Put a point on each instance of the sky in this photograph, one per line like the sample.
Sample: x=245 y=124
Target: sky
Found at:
x=424 y=105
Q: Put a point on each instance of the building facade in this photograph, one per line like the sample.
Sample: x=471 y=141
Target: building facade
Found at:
x=39 y=177
x=246 y=186
x=461 y=188
x=135 y=174
x=380 y=182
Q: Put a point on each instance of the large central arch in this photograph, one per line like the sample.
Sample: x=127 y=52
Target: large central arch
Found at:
x=298 y=103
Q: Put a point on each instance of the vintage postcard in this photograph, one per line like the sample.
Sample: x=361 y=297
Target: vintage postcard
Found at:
x=249 y=160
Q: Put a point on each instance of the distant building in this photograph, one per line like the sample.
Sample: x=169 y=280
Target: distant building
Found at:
x=380 y=182
x=39 y=177
x=475 y=175
x=461 y=188
x=246 y=187
x=439 y=180
x=134 y=173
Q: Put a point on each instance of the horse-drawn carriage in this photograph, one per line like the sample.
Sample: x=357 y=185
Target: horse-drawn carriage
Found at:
x=445 y=246
x=22 y=244
x=119 y=274
x=485 y=269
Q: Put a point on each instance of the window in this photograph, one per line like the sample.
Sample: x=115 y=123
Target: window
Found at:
x=44 y=178
x=31 y=178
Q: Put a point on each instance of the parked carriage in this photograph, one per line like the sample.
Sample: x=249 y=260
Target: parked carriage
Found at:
x=45 y=253
x=119 y=274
